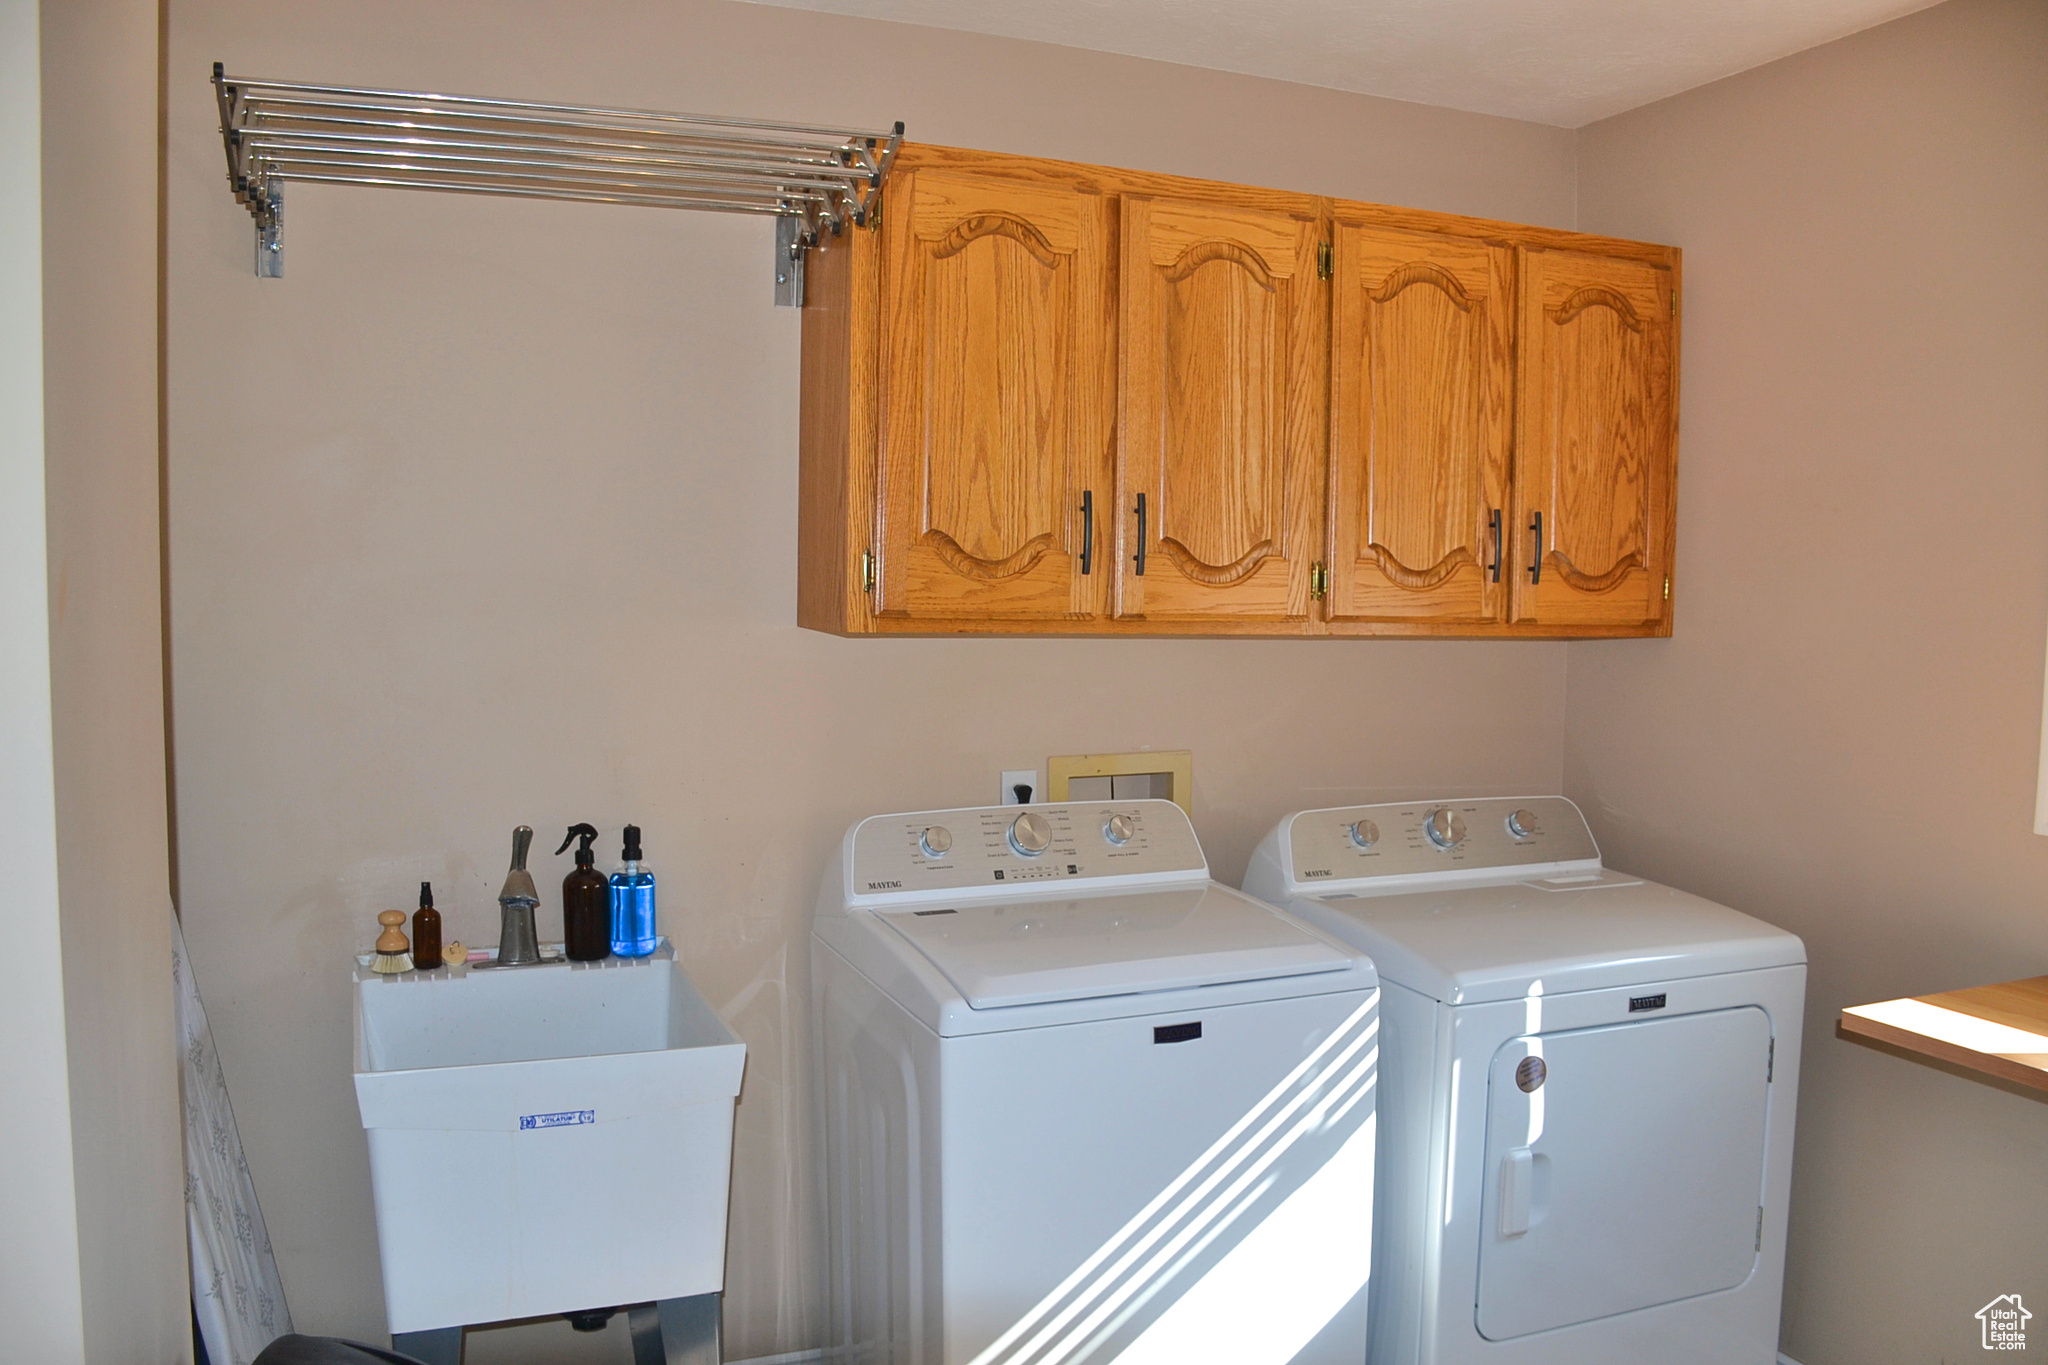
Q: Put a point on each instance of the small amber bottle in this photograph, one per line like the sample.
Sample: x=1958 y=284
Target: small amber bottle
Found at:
x=426 y=932
x=586 y=902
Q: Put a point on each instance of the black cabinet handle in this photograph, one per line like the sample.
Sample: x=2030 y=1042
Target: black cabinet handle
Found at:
x=1536 y=555
x=1140 y=556
x=1493 y=523
x=1087 y=528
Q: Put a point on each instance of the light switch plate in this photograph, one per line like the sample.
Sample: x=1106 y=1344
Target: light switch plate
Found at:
x=1014 y=777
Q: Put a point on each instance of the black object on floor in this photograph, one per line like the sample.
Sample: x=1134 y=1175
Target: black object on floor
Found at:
x=590 y=1319
x=298 y=1350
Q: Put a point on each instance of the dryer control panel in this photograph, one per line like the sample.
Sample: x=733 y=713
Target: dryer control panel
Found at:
x=1420 y=838
x=992 y=850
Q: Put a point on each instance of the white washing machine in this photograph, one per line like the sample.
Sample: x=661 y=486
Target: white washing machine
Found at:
x=1080 y=1103
x=1587 y=1088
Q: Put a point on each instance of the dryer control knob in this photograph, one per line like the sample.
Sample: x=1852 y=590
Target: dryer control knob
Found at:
x=936 y=841
x=1118 y=829
x=1030 y=834
x=1445 y=828
x=1522 y=824
x=1364 y=833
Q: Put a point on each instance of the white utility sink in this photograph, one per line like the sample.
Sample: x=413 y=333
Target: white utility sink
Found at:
x=544 y=1139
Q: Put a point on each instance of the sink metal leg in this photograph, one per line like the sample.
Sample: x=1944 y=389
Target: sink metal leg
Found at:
x=676 y=1331
x=441 y=1346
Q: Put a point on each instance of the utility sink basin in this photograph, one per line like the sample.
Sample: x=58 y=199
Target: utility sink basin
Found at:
x=544 y=1139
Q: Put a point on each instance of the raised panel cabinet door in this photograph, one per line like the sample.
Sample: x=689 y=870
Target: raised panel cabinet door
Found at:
x=997 y=399
x=1596 y=454
x=1421 y=379
x=1224 y=347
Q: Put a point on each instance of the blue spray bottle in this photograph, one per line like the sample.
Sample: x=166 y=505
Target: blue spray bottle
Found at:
x=633 y=929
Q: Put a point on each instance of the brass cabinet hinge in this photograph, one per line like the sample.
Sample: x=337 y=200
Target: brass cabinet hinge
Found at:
x=1326 y=260
x=1318 y=580
x=1667 y=587
x=867 y=571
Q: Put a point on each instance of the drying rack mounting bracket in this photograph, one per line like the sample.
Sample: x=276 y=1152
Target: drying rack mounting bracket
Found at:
x=812 y=181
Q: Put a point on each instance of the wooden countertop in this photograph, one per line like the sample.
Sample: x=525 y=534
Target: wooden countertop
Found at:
x=1999 y=1030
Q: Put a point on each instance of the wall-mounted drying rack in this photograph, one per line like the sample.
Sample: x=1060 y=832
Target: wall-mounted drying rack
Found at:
x=811 y=180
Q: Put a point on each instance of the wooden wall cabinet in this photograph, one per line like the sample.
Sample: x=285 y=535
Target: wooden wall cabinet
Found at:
x=995 y=414
x=1057 y=399
x=1422 y=388
x=1594 y=494
x=1221 y=410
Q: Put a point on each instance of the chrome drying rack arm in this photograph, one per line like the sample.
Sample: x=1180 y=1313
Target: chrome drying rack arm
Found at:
x=810 y=180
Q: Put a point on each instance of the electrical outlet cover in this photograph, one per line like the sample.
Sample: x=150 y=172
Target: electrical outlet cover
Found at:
x=1006 y=795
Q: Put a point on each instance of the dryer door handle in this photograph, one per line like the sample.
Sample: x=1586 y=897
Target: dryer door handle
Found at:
x=1517 y=1177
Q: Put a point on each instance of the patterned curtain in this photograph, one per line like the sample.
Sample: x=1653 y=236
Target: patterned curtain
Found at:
x=236 y=1294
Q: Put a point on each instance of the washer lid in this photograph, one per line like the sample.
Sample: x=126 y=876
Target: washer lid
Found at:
x=1006 y=953
x=1577 y=932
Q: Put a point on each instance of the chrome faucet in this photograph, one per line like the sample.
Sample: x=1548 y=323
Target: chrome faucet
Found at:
x=517 y=946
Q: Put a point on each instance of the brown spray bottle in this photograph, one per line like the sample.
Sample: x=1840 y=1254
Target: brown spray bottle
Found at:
x=586 y=901
x=426 y=931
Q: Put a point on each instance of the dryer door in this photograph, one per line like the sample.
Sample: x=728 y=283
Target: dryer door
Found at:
x=1624 y=1168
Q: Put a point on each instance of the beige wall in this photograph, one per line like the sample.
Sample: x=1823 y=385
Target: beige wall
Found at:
x=485 y=513
x=99 y=78
x=1842 y=734
x=40 y=1314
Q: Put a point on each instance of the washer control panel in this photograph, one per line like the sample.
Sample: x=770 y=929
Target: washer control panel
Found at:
x=1419 y=837
x=993 y=848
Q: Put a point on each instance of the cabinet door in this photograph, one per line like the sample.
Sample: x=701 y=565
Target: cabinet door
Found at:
x=1596 y=452
x=1420 y=383
x=1223 y=393
x=997 y=399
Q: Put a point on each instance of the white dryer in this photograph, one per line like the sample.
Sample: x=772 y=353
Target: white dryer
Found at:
x=1080 y=1103
x=1586 y=1093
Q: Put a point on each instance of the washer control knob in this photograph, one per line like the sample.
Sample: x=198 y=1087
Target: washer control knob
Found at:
x=936 y=841
x=1030 y=834
x=1118 y=829
x=1522 y=824
x=1445 y=828
x=1364 y=833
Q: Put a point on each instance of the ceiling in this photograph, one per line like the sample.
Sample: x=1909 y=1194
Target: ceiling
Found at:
x=1561 y=62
